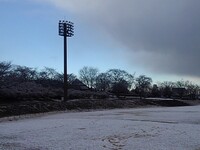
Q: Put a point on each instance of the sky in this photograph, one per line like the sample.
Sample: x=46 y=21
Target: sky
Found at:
x=158 y=38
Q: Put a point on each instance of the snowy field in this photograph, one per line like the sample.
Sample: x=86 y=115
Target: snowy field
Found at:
x=176 y=128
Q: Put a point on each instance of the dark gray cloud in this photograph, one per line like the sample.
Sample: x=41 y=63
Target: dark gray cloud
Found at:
x=160 y=35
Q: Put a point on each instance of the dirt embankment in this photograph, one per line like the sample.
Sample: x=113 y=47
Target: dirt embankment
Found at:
x=30 y=107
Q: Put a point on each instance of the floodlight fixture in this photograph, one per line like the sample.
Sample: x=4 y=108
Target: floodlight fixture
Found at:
x=65 y=29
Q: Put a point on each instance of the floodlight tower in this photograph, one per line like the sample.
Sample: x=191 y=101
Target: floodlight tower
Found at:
x=66 y=29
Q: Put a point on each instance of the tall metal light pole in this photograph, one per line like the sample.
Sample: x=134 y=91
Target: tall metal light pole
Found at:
x=66 y=29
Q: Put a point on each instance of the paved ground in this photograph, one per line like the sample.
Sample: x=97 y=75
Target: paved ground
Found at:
x=176 y=128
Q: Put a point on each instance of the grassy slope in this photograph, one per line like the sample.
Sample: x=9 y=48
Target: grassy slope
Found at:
x=30 y=107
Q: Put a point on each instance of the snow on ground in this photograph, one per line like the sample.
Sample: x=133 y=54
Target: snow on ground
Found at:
x=175 y=128
x=152 y=98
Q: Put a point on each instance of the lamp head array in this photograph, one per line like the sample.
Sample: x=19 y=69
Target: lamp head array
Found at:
x=66 y=28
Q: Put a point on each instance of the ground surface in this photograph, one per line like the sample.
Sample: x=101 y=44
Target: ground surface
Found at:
x=30 y=107
x=161 y=128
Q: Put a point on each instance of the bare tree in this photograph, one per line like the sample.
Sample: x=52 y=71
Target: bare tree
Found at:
x=71 y=77
x=118 y=75
x=155 y=92
x=50 y=72
x=23 y=74
x=88 y=76
x=59 y=77
x=143 y=84
x=192 y=89
x=5 y=70
x=180 y=84
x=103 y=82
x=120 y=87
x=166 y=88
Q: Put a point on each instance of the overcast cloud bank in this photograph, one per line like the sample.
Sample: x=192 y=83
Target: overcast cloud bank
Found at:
x=163 y=33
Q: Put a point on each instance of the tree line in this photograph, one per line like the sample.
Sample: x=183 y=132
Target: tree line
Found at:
x=21 y=82
x=25 y=83
x=121 y=82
